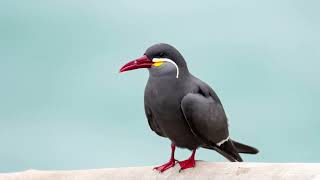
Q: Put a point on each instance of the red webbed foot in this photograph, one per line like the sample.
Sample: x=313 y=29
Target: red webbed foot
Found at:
x=189 y=163
x=169 y=164
x=186 y=164
x=166 y=166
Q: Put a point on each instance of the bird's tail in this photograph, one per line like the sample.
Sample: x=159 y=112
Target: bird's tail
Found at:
x=242 y=148
x=231 y=149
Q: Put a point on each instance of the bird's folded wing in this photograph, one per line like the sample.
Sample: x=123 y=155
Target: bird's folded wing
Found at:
x=206 y=118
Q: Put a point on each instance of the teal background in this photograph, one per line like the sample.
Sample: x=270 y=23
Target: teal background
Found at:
x=63 y=104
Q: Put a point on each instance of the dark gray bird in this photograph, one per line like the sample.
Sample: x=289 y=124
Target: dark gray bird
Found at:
x=183 y=108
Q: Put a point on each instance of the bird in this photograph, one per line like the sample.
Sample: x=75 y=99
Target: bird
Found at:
x=184 y=109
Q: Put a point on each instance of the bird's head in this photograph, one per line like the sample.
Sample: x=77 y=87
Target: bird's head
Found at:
x=161 y=60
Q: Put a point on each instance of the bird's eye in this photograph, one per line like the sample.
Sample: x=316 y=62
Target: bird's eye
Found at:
x=161 y=54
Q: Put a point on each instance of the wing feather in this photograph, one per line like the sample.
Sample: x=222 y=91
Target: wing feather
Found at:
x=207 y=120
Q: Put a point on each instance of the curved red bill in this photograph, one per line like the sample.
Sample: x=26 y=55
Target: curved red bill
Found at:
x=142 y=62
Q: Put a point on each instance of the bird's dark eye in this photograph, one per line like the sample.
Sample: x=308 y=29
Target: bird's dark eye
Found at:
x=161 y=55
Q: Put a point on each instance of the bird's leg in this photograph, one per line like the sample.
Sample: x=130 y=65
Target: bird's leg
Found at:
x=169 y=164
x=188 y=163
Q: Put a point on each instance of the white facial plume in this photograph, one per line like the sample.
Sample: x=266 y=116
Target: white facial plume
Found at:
x=155 y=60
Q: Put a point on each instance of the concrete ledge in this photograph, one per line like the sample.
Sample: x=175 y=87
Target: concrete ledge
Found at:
x=203 y=170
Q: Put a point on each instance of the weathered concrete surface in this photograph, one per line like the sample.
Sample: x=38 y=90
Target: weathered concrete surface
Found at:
x=203 y=170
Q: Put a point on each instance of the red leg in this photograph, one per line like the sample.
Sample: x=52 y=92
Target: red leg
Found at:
x=169 y=164
x=189 y=163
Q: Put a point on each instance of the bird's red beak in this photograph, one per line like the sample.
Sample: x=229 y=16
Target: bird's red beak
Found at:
x=142 y=62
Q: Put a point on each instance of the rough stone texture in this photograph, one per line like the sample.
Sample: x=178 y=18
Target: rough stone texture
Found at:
x=203 y=170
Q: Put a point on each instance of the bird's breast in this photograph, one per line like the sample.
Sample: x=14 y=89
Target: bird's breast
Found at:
x=164 y=100
x=164 y=96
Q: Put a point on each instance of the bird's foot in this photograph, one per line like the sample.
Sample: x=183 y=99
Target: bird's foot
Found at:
x=166 y=166
x=186 y=164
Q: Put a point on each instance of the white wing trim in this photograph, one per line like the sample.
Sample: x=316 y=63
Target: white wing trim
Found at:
x=223 y=141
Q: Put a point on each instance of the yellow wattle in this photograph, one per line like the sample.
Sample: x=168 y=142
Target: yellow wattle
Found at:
x=157 y=63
